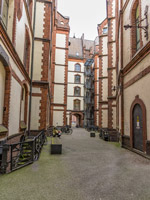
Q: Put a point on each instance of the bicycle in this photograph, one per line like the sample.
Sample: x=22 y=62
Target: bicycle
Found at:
x=67 y=130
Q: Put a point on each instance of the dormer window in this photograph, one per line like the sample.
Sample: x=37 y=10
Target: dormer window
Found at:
x=105 y=30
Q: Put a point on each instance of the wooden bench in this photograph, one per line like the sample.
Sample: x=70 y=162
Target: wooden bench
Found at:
x=56 y=145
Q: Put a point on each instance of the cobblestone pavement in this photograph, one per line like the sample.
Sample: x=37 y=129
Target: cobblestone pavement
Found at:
x=88 y=169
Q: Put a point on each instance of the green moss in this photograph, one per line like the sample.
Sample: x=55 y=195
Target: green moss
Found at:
x=26 y=182
x=116 y=144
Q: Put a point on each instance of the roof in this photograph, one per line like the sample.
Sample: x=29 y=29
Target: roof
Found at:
x=75 y=48
x=89 y=44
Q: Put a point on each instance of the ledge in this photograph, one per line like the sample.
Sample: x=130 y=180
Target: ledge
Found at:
x=3 y=129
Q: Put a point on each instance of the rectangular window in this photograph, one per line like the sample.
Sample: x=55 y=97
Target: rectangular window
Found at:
x=105 y=30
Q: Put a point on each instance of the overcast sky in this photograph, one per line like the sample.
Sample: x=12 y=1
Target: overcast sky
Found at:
x=84 y=16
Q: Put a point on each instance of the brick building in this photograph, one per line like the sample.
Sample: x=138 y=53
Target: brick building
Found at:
x=107 y=71
x=124 y=53
x=28 y=36
x=133 y=76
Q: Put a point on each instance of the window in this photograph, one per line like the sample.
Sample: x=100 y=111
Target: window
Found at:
x=77 y=67
x=5 y=11
x=27 y=51
x=29 y=4
x=76 y=104
x=137 y=29
x=77 y=91
x=77 y=79
x=105 y=30
x=2 y=90
x=23 y=113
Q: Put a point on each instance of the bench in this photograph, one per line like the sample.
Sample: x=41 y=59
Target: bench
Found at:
x=56 y=145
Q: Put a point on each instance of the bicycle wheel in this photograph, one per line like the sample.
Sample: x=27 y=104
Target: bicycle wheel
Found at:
x=70 y=131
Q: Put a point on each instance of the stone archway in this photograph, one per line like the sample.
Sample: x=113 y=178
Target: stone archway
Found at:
x=79 y=118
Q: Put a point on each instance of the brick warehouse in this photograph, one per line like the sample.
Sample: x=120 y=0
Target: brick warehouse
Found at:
x=37 y=62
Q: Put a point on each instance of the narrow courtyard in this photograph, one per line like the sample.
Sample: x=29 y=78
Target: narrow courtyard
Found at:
x=88 y=169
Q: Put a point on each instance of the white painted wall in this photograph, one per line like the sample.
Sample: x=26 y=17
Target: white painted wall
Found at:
x=35 y=113
x=39 y=20
x=105 y=118
x=105 y=48
x=60 y=56
x=2 y=90
x=58 y=118
x=37 y=60
x=60 y=40
x=59 y=74
x=10 y=19
x=59 y=93
x=20 y=34
x=105 y=89
x=105 y=66
x=14 y=114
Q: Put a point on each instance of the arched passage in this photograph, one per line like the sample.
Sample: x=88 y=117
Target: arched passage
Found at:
x=76 y=119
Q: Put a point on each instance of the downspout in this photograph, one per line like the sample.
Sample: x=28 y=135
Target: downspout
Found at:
x=32 y=59
x=51 y=46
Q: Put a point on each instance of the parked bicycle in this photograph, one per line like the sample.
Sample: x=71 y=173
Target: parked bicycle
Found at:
x=67 y=130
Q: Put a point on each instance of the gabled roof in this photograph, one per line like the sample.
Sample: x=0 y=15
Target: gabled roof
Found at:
x=75 y=48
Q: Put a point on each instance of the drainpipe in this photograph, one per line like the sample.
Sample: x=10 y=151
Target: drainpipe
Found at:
x=51 y=46
x=31 y=78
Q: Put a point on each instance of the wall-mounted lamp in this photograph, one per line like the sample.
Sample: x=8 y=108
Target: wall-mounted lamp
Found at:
x=145 y=28
x=116 y=88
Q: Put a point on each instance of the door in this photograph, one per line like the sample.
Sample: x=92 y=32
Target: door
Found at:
x=137 y=128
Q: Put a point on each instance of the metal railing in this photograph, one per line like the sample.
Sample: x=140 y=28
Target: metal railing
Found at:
x=17 y=155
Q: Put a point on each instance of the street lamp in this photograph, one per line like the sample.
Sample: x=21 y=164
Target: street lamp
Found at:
x=145 y=28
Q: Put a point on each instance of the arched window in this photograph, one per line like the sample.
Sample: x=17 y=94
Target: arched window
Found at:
x=137 y=16
x=27 y=51
x=2 y=90
x=77 y=91
x=23 y=112
x=76 y=104
x=135 y=31
x=77 y=79
x=77 y=67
